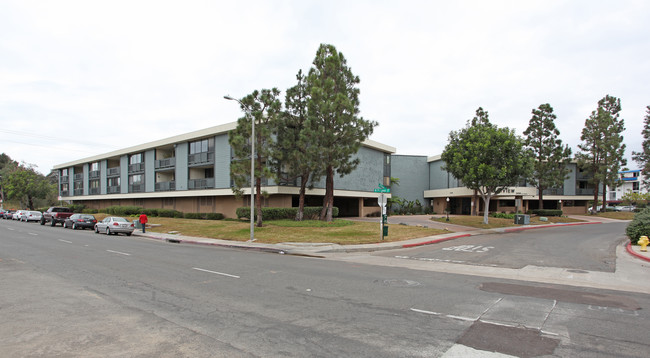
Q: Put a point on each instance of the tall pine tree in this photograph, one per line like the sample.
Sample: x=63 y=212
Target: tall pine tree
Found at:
x=602 y=146
x=551 y=157
x=265 y=108
x=643 y=157
x=334 y=123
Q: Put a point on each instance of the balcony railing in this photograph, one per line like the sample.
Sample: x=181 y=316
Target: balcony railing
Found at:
x=64 y=179
x=93 y=191
x=136 y=168
x=201 y=158
x=64 y=193
x=206 y=183
x=78 y=177
x=113 y=172
x=78 y=192
x=554 y=191
x=166 y=186
x=165 y=163
x=113 y=189
x=94 y=174
x=136 y=188
x=589 y=191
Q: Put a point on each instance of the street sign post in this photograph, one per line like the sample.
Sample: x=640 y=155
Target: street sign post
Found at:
x=382 y=200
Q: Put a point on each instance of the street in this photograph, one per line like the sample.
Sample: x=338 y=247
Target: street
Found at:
x=76 y=293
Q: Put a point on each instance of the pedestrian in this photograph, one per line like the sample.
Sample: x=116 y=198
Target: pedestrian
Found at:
x=143 y=221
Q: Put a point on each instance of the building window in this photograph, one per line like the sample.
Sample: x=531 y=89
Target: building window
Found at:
x=114 y=181
x=202 y=146
x=94 y=166
x=169 y=201
x=635 y=186
x=64 y=172
x=136 y=158
x=135 y=179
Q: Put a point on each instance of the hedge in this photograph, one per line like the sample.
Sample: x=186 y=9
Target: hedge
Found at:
x=204 y=216
x=640 y=226
x=310 y=213
x=547 y=212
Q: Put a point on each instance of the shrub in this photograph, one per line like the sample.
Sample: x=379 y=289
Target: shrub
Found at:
x=89 y=211
x=124 y=210
x=503 y=216
x=204 y=216
x=640 y=226
x=310 y=213
x=168 y=213
x=547 y=212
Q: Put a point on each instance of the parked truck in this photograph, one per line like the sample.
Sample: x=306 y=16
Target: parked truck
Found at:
x=56 y=215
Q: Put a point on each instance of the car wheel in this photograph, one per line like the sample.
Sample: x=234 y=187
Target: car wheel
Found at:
x=108 y=231
x=42 y=222
x=128 y=234
x=52 y=223
x=74 y=226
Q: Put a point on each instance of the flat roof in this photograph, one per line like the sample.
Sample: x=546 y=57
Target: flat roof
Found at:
x=202 y=133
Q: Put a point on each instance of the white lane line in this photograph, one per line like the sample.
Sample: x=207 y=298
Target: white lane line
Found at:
x=215 y=272
x=66 y=241
x=425 y=312
x=33 y=233
x=10 y=229
x=117 y=252
x=462 y=318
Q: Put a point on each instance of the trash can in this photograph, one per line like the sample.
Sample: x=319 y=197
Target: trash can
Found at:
x=521 y=219
x=137 y=224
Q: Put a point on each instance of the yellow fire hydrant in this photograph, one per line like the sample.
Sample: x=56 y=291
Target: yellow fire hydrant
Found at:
x=643 y=241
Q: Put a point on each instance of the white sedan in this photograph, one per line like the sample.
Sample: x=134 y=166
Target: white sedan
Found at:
x=31 y=216
x=114 y=225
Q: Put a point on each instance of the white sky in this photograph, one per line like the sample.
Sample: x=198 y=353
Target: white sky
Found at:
x=80 y=78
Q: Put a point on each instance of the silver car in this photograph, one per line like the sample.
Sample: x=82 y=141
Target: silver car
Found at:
x=114 y=225
x=31 y=216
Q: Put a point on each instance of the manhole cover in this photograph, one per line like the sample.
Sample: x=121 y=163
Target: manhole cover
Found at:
x=399 y=283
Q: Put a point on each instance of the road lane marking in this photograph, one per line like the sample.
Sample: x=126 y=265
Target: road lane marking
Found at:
x=425 y=312
x=117 y=252
x=33 y=233
x=66 y=241
x=215 y=272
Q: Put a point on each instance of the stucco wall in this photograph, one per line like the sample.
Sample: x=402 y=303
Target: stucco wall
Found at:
x=413 y=174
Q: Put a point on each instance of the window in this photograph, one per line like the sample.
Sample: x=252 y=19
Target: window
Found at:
x=136 y=158
x=114 y=181
x=635 y=186
x=135 y=179
x=94 y=166
x=209 y=173
x=201 y=146
x=64 y=172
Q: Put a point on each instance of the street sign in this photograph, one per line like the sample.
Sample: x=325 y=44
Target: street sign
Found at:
x=382 y=189
x=382 y=200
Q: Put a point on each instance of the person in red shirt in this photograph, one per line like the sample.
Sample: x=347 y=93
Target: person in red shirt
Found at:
x=143 y=221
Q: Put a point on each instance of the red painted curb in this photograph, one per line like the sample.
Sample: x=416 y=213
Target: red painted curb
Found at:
x=406 y=246
x=629 y=249
x=515 y=229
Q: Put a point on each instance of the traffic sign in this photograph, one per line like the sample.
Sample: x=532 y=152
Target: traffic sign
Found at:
x=382 y=189
x=382 y=200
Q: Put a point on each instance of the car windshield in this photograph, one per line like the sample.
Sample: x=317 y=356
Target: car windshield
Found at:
x=88 y=217
x=123 y=220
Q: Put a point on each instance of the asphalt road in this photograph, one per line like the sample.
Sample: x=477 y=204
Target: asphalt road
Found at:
x=584 y=247
x=80 y=294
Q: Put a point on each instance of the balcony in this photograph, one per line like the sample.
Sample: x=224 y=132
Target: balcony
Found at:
x=93 y=191
x=113 y=189
x=166 y=186
x=136 y=168
x=78 y=192
x=553 y=191
x=94 y=174
x=113 y=172
x=64 y=193
x=206 y=183
x=165 y=163
x=588 y=191
x=201 y=158
x=79 y=177
x=136 y=188
x=64 y=179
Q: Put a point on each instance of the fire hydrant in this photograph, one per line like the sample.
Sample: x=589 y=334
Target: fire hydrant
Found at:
x=643 y=241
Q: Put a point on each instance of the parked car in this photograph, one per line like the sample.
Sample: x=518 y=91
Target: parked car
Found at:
x=56 y=214
x=80 y=221
x=17 y=215
x=626 y=208
x=114 y=225
x=8 y=214
x=31 y=216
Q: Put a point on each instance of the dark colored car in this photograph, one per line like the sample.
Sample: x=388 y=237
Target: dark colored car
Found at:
x=8 y=214
x=80 y=221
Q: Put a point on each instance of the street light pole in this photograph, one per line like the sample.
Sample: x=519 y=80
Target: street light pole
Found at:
x=249 y=114
x=447 y=208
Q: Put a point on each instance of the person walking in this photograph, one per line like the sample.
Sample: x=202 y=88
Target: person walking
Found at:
x=143 y=221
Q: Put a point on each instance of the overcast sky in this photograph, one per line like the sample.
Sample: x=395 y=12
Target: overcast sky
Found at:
x=81 y=78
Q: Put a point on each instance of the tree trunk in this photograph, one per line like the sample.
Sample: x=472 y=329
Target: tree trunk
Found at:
x=301 y=199
x=593 y=208
x=486 y=209
x=258 y=201
x=541 y=197
x=328 y=200
x=602 y=209
x=475 y=206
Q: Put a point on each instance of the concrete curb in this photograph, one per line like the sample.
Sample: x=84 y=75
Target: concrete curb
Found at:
x=633 y=253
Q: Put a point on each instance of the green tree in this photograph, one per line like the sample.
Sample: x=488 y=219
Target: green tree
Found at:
x=296 y=155
x=334 y=123
x=264 y=107
x=602 y=147
x=486 y=158
x=24 y=184
x=551 y=157
x=643 y=157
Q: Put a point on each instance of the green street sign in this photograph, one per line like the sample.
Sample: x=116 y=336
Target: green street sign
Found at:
x=382 y=189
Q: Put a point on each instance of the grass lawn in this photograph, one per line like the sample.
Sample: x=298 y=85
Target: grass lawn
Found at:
x=477 y=221
x=618 y=215
x=340 y=231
